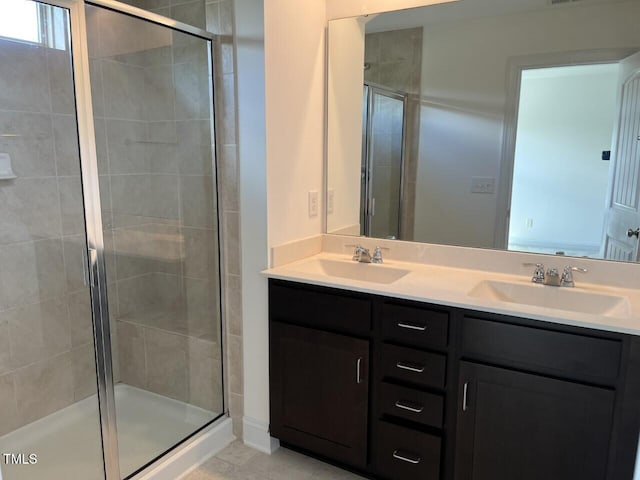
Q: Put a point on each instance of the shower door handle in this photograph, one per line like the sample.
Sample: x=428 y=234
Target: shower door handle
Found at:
x=85 y=268
x=89 y=276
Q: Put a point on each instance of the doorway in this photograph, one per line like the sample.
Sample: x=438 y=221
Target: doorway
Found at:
x=566 y=118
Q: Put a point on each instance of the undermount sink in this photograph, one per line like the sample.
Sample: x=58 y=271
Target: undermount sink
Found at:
x=364 y=272
x=560 y=298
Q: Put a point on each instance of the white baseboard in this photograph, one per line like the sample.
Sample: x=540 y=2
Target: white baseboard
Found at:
x=256 y=435
x=207 y=444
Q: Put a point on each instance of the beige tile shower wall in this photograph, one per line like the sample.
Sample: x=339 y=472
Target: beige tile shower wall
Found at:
x=220 y=20
x=46 y=336
x=162 y=291
x=46 y=344
x=394 y=59
x=412 y=145
x=158 y=167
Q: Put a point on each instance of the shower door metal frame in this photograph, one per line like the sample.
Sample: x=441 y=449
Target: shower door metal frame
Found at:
x=367 y=206
x=93 y=211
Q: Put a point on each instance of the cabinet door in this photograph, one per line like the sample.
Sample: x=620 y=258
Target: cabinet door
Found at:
x=514 y=425
x=319 y=391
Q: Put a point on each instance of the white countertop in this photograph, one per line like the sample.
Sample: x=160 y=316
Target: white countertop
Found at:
x=451 y=287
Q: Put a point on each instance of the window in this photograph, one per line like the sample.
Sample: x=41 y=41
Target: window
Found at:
x=30 y=21
x=19 y=19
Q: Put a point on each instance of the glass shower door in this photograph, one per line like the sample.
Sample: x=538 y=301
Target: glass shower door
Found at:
x=49 y=416
x=383 y=162
x=153 y=115
x=146 y=186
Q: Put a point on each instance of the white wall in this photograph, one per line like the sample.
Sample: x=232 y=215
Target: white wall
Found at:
x=280 y=67
x=446 y=212
x=345 y=77
x=565 y=121
x=350 y=8
x=294 y=78
x=253 y=210
x=464 y=74
x=294 y=59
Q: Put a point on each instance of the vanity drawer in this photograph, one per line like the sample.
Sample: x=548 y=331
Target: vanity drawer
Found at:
x=554 y=352
x=323 y=310
x=405 y=454
x=415 y=326
x=414 y=366
x=414 y=405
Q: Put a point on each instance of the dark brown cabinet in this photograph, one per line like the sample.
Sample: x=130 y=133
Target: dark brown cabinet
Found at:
x=407 y=454
x=319 y=391
x=400 y=389
x=516 y=425
x=409 y=404
x=423 y=369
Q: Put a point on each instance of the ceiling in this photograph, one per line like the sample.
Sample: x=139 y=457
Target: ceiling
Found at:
x=462 y=10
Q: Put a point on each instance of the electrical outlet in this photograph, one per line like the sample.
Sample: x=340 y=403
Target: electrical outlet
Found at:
x=483 y=184
x=529 y=223
x=331 y=195
x=313 y=204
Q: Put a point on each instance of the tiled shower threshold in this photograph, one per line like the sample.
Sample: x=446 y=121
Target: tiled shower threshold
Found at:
x=67 y=442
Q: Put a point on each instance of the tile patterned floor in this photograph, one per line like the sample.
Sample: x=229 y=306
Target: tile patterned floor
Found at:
x=239 y=462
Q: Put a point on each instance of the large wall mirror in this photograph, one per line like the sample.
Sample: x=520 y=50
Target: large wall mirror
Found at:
x=510 y=124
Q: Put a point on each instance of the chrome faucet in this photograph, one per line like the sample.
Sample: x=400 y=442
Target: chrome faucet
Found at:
x=538 y=273
x=552 y=276
x=361 y=254
x=377 y=255
x=567 y=275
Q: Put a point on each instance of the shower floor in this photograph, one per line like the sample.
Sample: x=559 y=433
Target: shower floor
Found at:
x=68 y=443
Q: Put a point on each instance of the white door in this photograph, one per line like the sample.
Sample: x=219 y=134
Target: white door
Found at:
x=623 y=209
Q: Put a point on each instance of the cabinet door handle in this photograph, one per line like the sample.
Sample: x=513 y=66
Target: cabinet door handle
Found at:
x=411 y=368
x=411 y=326
x=465 y=389
x=404 y=406
x=406 y=458
x=358 y=378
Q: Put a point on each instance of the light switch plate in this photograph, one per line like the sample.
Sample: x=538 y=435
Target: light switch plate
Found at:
x=483 y=185
x=313 y=203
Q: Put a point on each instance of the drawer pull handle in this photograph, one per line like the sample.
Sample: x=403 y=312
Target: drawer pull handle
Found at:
x=409 y=408
x=406 y=458
x=358 y=377
x=409 y=367
x=410 y=326
x=464 y=396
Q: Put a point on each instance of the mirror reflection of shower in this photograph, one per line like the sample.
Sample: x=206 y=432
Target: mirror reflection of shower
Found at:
x=390 y=153
x=382 y=162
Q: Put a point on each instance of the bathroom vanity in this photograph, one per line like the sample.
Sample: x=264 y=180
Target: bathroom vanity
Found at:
x=406 y=389
x=446 y=362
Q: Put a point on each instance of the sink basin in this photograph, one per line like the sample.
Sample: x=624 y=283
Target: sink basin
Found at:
x=560 y=298
x=364 y=272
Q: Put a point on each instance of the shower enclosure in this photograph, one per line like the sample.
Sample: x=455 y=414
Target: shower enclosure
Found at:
x=110 y=311
x=383 y=147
